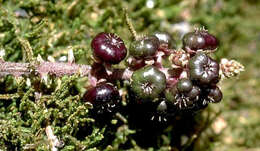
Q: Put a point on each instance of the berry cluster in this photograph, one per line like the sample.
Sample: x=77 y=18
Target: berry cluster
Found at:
x=187 y=82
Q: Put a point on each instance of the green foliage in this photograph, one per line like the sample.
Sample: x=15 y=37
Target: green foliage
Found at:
x=52 y=27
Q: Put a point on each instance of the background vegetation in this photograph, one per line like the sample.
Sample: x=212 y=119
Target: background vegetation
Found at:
x=51 y=26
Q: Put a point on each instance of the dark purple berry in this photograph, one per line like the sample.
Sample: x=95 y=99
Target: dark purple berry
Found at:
x=214 y=95
x=145 y=47
x=194 y=41
x=194 y=93
x=104 y=97
x=148 y=83
x=200 y=39
x=109 y=48
x=203 y=69
x=165 y=39
x=184 y=85
x=211 y=42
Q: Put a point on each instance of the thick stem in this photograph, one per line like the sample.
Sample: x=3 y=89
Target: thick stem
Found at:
x=15 y=69
x=58 y=69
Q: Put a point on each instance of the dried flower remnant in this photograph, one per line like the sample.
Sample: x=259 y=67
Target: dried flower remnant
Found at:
x=230 y=68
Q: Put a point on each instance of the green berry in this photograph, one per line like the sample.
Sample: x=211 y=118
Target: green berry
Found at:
x=148 y=82
x=145 y=47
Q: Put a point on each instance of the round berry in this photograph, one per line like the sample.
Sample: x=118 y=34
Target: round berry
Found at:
x=194 y=93
x=104 y=97
x=148 y=82
x=193 y=41
x=145 y=47
x=203 y=69
x=160 y=115
x=214 y=95
x=165 y=39
x=184 y=85
x=109 y=48
x=211 y=42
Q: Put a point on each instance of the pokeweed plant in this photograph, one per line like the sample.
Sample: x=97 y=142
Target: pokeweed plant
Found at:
x=144 y=91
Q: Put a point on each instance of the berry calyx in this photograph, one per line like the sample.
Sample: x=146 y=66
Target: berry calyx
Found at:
x=203 y=69
x=145 y=47
x=148 y=82
x=109 y=48
x=104 y=97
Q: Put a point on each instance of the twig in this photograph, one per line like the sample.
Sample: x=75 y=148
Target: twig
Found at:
x=9 y=96
x=121 y=117
x=130 y=25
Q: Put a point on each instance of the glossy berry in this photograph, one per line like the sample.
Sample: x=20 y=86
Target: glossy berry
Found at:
x=104 y=97
x=184 y=85
x=148 y=83
x=160 y=115
x=214 y=95
x=194 y=93
x=211 y=42
x=145 y=47
x=162 y=107
x=165 y=39
x=194 y=41
x=109 y=48
x=200 y=39
x=203 y=69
